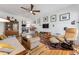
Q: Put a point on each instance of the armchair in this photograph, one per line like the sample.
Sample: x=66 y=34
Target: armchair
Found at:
x=69 y=38
x=66 y=41
x=70 y=34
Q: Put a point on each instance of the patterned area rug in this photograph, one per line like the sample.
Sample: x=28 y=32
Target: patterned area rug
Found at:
x=55 y=45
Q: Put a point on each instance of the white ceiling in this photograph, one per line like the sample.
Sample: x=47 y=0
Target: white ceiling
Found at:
x=44 y=8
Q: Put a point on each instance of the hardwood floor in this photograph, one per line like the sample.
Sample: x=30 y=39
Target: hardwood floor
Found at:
x=43 y=50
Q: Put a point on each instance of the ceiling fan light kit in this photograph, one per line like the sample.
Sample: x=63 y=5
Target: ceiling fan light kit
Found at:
x=30 y=11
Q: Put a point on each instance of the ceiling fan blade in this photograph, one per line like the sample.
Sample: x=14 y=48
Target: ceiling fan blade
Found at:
x=33 y=13
x=36 y=10
x=32 y=7
x=24 y=8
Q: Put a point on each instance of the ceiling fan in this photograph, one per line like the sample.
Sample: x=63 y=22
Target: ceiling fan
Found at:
x=31 y=9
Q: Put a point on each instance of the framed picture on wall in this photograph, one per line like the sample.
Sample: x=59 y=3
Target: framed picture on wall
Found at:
x=73 y=22
x=64 y=17
x=53 y=18
x=45 y=19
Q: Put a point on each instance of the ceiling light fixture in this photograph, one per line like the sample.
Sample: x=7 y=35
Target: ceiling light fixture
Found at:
x=30 y=11
x=4 y=20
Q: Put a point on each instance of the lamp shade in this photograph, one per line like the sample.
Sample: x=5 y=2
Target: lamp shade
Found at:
x=4 y=20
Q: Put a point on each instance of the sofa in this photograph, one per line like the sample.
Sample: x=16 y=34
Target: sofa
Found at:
x=12 y=41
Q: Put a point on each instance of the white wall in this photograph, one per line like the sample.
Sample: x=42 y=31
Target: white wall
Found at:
x=1 y=28
x=59 y=25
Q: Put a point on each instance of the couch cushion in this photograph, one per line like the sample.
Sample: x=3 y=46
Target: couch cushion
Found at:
x=34 y=39
x=53 y=40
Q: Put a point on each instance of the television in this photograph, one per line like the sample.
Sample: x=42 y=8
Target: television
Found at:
x=45 y=26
